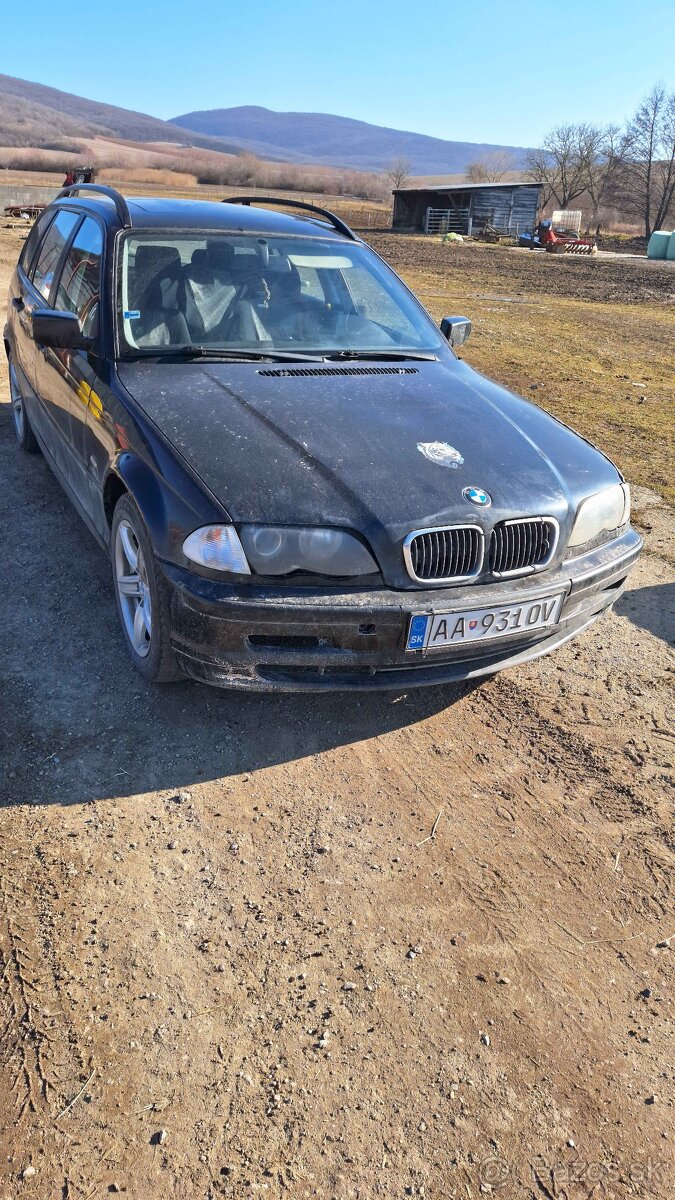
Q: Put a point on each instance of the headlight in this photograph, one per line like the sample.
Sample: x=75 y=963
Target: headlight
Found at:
x=217 y=547
x=280 y=549
x=609 y=509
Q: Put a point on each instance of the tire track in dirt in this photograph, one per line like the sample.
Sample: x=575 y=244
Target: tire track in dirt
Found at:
x=41 y=1059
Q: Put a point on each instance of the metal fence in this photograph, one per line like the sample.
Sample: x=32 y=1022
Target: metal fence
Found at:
x=446 y=220
x=457 y=220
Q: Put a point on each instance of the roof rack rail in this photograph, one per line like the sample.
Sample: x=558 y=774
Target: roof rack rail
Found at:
x=337 y=224
x=118 y=200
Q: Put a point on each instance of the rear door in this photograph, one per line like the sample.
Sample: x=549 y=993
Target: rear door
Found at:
x=50 y=416
x=21 y=301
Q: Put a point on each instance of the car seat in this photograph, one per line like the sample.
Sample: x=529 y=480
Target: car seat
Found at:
x=155 y=290
x=208 y=288
x=247 y=316
x=294 y=316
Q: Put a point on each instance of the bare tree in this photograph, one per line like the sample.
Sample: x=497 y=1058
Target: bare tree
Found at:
x=559 y=165
x=647 y=169
x=399 y=173
x=599 y=149
x=248 y=169
x=490 y=169
x=578 y=160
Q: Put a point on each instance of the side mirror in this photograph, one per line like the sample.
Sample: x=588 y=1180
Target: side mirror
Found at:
x=58 y=329
x=456 y=330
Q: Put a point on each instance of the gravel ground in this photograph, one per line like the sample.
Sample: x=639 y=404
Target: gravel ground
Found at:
x=235 y=961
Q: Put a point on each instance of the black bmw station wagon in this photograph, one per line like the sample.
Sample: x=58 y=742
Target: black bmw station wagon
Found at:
x=299 y=483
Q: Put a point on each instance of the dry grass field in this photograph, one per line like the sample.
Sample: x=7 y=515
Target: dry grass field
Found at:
x=235 y=962
x=591 y=340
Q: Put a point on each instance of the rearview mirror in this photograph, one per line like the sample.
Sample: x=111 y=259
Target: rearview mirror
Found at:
x=58 y=329
x=456 y=330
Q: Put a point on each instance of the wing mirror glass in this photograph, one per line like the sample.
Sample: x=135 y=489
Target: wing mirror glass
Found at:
x=58 y=329
x=456 y=330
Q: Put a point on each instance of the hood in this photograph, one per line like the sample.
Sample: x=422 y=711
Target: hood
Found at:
x=338 y=445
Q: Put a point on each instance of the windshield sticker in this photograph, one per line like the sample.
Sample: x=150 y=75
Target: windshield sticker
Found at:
x=441 y=453
x=131 y=314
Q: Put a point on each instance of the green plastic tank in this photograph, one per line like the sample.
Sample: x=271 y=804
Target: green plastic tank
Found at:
x=659 y=243
x=670 y=252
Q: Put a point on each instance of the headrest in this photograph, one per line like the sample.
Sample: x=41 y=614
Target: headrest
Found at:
x=150 y=260
x=220 y=254
x=200 y=259
x=288 y=284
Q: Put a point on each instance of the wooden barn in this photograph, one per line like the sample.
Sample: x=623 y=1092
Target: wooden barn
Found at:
x=467 y=207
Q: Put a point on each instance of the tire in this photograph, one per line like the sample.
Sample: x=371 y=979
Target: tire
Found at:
x=143 y=598
x=22 y=427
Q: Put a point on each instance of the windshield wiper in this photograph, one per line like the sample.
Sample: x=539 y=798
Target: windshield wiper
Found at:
x=241 y=355
x=384 y=355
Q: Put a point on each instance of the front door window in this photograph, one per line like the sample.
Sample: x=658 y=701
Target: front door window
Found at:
x=51 y=250
x=80 y=283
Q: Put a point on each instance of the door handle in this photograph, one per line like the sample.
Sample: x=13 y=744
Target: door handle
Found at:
x=17 y=303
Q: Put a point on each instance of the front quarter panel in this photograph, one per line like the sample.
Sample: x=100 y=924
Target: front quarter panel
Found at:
x=126 y=451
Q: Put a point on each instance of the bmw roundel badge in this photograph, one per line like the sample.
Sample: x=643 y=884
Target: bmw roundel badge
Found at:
x=477 y=496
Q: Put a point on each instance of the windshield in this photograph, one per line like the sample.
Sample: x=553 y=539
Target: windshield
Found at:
x=237 y=292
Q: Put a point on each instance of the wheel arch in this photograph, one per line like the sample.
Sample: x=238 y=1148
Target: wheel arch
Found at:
x=131 y=476
x=113 y=489
x=168 y=513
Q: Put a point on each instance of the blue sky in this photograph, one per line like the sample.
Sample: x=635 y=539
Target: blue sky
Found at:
x=484 y=71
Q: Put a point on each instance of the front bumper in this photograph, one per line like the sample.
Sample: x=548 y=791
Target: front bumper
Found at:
x=284 y=639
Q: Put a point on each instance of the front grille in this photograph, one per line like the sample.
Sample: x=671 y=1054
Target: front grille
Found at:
x=304 y=372
x=520 y=546
x=437 y=554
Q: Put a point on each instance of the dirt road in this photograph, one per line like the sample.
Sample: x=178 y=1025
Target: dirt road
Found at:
x=234 y=961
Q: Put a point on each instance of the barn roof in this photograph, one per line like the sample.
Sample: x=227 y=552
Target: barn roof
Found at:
x=466 y=187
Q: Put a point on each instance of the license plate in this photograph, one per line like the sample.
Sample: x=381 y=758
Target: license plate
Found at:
x=431 y=631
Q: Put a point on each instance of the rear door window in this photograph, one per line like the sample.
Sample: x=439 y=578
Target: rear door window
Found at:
x=31 y=246
x=80 y=281
x=49 y=256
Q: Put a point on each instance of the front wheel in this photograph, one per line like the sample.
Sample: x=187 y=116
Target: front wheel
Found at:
x=22 y=427
x=142 y=595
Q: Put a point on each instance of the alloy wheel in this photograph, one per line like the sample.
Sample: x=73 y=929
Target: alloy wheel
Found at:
x=133 y=589
x=17 y=402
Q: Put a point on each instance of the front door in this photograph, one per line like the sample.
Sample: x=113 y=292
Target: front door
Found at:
x=65 y=377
